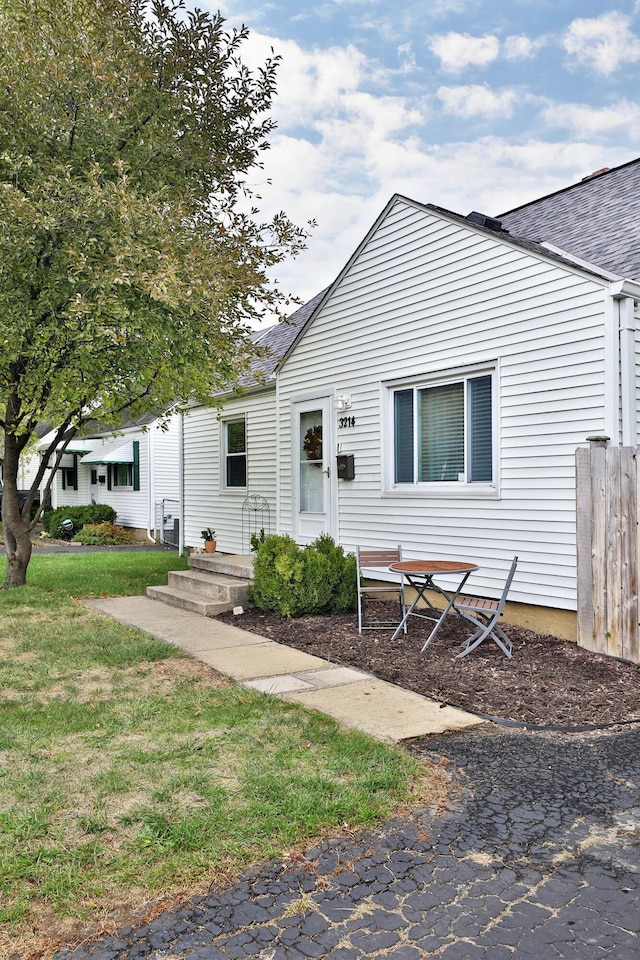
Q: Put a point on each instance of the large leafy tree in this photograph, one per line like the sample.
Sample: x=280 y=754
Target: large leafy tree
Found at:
x=132 y=255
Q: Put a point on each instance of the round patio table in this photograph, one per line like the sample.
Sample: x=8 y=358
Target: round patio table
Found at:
x=420 y=575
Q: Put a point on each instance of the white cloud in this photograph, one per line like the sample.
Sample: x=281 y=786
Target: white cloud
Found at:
x=490 y=174
x=407 y=58
x=589 y=121
x=519 y=48
x=603 y=43
x=477 y=100
x=457 y=51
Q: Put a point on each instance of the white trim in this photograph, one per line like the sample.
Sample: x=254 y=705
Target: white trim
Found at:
x=224 y=421
x=303 y=403
x=628 y=372
x=611 y=385
x=181 y=509
x=278 y=484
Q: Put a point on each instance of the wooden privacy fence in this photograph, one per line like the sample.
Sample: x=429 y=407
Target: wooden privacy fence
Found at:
x=608 y=549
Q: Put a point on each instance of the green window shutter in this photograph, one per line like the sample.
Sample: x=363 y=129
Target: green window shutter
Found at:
x=480 y=443
x=75 y=471
x=109 y=480
x=403 y=420
x=136 y=464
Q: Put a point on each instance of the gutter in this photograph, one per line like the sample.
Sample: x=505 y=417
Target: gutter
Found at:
x=624 y=294
x=181 y=482
x=276 y=377
x=151 y=473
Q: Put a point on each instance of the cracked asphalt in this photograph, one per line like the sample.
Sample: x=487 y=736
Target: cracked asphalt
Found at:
x=536 y=855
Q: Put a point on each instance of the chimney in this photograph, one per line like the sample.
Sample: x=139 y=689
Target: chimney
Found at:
x=596 y=173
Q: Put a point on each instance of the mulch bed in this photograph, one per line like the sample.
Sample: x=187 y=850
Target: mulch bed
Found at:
x=547 y=681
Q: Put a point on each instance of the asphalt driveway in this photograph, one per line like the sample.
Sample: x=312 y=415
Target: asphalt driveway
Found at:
x=537 y=855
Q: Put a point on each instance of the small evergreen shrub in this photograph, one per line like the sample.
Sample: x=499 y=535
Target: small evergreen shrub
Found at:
x=100 y=534
x=295 y=581
x=91 y=513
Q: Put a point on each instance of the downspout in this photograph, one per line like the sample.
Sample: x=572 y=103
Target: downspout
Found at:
x=181 y=482
x=611 y=371
x=151 y=472
x=278 y=454
x=629 y=411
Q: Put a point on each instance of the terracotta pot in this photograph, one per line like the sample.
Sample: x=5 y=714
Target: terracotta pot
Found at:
x=210 y=546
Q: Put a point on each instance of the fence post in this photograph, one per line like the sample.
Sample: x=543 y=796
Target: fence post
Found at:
x=608 y=544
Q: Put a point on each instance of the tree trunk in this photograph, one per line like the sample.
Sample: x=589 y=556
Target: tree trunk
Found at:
x=17 y=536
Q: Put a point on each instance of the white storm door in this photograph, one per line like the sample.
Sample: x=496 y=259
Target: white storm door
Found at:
x=94 y=486
x=313 y=468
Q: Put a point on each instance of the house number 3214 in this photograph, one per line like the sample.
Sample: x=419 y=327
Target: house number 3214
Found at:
x=346 y=422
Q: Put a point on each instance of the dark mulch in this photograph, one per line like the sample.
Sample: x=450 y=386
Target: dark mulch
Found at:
x=548 y=681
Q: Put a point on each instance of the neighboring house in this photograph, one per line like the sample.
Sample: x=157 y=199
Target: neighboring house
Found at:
x=135 y=470
x=459 y=361
x=27 y=469
x=231 y=454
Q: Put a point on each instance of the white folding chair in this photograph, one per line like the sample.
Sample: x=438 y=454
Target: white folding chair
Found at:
x=368 y=560
x=486 y=613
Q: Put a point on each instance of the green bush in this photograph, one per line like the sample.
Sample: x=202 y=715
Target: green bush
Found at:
x=99 y=534
x=91 y=513
x=295 y=581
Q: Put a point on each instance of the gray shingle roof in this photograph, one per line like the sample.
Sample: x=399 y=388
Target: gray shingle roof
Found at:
x=597 y=219
x=279 y=339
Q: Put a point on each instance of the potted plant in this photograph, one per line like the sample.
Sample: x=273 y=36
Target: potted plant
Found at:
x=312 y=443
x=209 y=537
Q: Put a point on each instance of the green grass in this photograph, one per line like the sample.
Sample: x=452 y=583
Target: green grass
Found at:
x=130 y=773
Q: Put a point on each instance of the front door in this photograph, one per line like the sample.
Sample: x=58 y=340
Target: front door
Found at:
x=94 y=486
x=313 y=469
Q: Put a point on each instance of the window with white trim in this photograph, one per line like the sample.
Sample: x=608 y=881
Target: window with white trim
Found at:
x=235 y=454
x=443 y=431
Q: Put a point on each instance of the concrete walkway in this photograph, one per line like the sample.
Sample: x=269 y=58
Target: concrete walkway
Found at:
x=354 y=698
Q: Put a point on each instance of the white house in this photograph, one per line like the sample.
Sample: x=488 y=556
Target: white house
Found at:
x=230 y=454
x=136 y=471
x=453 y=367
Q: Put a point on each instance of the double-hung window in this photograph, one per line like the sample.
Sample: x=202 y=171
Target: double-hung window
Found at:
x=235 y=454
x=443 y=431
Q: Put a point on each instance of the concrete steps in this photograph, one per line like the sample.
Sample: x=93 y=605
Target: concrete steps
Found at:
x=215 y=582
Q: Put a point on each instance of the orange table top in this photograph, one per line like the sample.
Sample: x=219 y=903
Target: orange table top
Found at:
x=432 y=566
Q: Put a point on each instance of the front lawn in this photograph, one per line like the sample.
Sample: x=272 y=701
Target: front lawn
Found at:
x=131 y=773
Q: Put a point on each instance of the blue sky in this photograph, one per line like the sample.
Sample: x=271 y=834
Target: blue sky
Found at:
x=469 y=104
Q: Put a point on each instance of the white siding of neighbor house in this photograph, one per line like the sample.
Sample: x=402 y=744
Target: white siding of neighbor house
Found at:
x=165 y=445
x=206 y=502
x=159 y=477
x=70 y=497
x=27 y=470
x=130 y=505
x=426 y=294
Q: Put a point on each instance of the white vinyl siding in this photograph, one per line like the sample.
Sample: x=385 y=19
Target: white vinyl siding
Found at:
x=158 y=473
x=423 y=296
x=131 y=505
x=207 y=501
